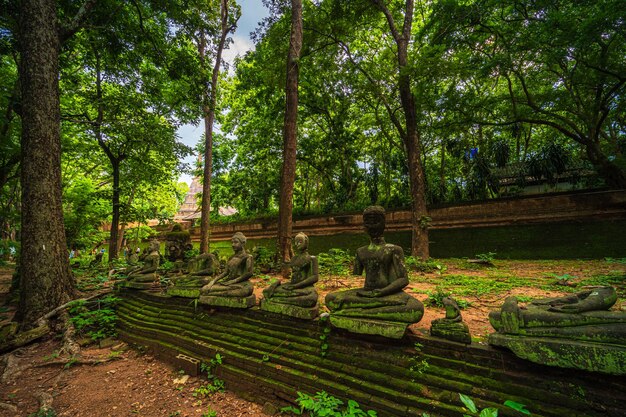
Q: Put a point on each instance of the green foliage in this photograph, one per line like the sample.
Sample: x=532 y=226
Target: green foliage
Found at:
x=435 y=298
x=264 y=259
x=430 y=265
x=209 y=413
x=215 y=384
x=325 y=405
x=326 y=330
x=96 y=319
x=486 y=257
x=44 y=412
x=489 y=412
x=615 y=260
x=469 y=404
x=334 y=262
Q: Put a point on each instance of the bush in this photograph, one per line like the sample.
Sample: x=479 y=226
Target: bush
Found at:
x=323 y=404
x=430 y=265
x=98 y=323
x=334 y=262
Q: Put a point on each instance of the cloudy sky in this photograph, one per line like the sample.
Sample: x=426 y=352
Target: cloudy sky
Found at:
x=252 y=11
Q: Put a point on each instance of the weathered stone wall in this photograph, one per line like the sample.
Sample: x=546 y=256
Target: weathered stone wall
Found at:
x=375 y=372
x=548 y=208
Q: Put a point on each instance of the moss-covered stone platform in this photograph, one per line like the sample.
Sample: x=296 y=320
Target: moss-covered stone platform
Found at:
x=269 y=358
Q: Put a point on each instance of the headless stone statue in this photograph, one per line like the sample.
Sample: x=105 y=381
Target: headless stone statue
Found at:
x=297 y=298
x=451 y=327
x=382 y=304
x=141 y=277
x=574 y=331
x=201 y=269
x=232 y=288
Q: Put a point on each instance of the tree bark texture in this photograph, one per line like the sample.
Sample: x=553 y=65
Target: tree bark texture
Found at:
x=46 y=281
x=411 y=138
x=288 y=173
x=209 y=116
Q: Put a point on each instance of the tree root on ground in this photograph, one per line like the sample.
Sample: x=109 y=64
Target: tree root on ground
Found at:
x=42 y=328
x=75 y=361
x=10 y=368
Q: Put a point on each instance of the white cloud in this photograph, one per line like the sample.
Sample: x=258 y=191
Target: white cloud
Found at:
x=239 y=46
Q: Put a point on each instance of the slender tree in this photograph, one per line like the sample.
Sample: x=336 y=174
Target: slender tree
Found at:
x=208 y=109
x=288 y=173
x=410 y=135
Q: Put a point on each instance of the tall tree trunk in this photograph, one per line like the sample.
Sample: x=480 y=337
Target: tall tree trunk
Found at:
x=411 y=138
x=115 y=161
x=46 y=281
x=209 y=116
x=288 y=173
x=115 y=218
x=612 y=174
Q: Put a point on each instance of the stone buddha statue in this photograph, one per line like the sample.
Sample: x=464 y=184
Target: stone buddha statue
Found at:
x=232 y=288
x=297 y=298
x=141 y=277
x=381 y=306
x=574 y=331
x=540 y=317
x=200 y=270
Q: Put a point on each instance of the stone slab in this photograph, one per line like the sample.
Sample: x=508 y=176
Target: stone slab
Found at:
x=186 y=292
x=564 y=353
x=232 y=302
x=390 y=329
x=137 y=285
x=290 y=310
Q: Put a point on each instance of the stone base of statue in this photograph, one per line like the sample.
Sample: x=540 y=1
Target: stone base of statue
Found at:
x=137 y=285
x=232 y=302
x=186 y=286
x=565 y=353
x=385 y=328
x=387 y=316
x=456 y=331
x=305 y=313
x=181 y=291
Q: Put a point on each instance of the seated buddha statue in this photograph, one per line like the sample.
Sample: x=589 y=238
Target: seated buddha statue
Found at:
x=299 y=294
x=382 y=297
x=143 y=275
x=234 y=282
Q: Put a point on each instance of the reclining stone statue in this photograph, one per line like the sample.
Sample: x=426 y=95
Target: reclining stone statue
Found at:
x=143 y=276
x=574 y=331
x=381 y=306
x=200 y=270
x=232 y=288
x=297 y=298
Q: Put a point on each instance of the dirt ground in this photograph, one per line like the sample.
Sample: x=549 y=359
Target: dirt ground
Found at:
x=127 y=382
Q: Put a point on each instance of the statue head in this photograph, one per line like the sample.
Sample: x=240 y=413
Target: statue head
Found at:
x=154 y=245
x=239 y=240
x=374 y=221
x=301 y=241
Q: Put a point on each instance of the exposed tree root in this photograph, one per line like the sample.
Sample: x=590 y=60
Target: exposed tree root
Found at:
x=74 y=361
x=10 y=368
x=42 y=328
x=10 y=408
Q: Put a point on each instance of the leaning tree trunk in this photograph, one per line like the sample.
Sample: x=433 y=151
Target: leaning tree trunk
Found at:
x=46 y=281
x=209 y=117
x=288 y=173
